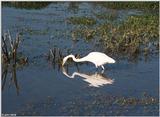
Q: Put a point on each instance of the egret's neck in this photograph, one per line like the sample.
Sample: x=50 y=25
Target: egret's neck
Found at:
x=79 y=60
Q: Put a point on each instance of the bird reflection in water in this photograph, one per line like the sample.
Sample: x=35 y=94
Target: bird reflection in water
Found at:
x=94 y=80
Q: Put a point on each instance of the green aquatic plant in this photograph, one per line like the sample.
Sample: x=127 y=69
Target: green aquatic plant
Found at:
x=130 y=37
x=131 y=5
x=36 y=31
x=87 y=33
x=143 y=25
x=137 y=31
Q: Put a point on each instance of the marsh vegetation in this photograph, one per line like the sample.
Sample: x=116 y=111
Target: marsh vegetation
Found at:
x=136 y=35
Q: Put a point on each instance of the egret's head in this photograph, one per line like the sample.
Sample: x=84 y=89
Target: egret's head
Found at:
x=66 y=58
x=112 y=61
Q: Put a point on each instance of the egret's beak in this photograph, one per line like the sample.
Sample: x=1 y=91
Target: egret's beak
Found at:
x=62 y=63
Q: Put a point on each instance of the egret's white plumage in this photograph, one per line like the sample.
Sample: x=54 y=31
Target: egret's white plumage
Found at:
x=97 y=58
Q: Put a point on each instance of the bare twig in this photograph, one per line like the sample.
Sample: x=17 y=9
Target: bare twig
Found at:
x=4 y=48
x=10 y=40
x=54 y=52
x=51 y=53
x=4 y=76
x=60 y=54
x=14 y=51
x=15 y=79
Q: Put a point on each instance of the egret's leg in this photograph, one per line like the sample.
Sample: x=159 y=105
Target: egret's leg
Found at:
x=102 y=67
x=102 y=71
x=96 y=68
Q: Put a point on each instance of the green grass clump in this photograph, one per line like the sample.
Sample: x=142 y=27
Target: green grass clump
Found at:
x=87 y=33
x=36 y=31
x=130 y=35
x=129 y=38
x=146 y=25
x=82 y=20
x=131 y=5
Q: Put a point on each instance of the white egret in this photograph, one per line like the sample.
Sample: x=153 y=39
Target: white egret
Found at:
x=97 y=58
